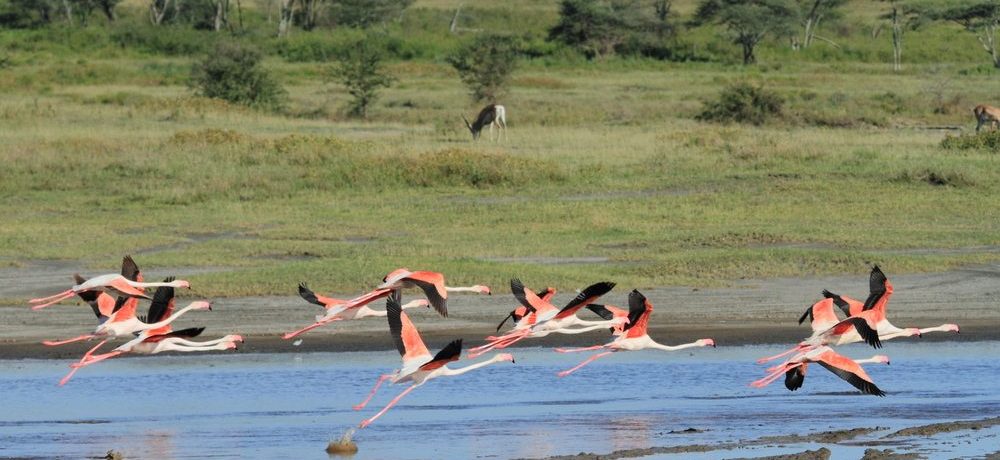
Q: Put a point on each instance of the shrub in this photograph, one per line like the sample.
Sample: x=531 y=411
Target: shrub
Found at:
x=233 y=73
x=743 y=103
x=940 y=178
x=360 y=70
x=485 y=66
x=985 y=140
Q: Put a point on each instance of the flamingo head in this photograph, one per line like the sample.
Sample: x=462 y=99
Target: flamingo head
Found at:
x=235 y=338
x=911 y=331
x=416 y=303
x=881 y=359
x=183 y=284
x=706 y=343
x=201 y=305
x=232 y=346
x=504 y=357
x=482 y=289
x=951 y=328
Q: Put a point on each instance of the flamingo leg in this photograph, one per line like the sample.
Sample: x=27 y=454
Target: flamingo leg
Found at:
x=82 y=359
x=576 y=350
x=309 y=328
x=770 y=378
x=500 y=342
x=786 y=353
x=55 y=299
x=56 y=343
x=378 y=383
x=584 y=363
x=366 y=422
x=96 y=359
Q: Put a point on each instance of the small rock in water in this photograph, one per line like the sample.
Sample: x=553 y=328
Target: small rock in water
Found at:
x=344 y=445
x=114 y=455
x=297 y=343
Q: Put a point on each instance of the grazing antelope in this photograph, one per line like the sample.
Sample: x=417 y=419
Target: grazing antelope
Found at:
x=493 y=114
x=984 y=114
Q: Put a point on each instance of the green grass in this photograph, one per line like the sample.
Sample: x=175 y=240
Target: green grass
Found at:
x=108 y=153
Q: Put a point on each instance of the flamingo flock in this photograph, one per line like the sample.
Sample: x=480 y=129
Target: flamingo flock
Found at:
x=864 y=322
x=114 y=300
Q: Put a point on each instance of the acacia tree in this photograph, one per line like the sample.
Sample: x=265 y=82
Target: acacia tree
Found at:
x=982 y=19
x=360 y=70
x=814 y=11
x=750 y=21
x=900 y=16
x=485 y=66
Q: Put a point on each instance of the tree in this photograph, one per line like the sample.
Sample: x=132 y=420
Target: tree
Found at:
x=750 y=21
x=485 y=65
x=982 y=19
x=360 y=70
x=814 y=11
x=901 y=16
x=365 y=13
x=233 y=72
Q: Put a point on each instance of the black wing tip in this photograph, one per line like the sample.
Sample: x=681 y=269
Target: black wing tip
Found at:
x=877 y=274
x=601 y=311
x=794 y=378
x=869 y=335
x=807 y=314
x=829 y=295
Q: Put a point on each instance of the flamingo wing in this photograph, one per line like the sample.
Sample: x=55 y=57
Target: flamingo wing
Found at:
x=850 y=371
x=528 y=298
x=868 y=333
x=432 y=283
x=821 y=315
x=795 y=377
x=89 y=296
x=188 y=333
x=838 y=301
x=639 y=310
x=314 y=298
x=449 y=353
x=404 y=333
x=876 y=288
x=586 y=296
x=161 y=308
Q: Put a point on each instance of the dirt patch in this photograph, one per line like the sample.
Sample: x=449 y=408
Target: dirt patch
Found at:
x=948 y=427
x=825 y=437
x=819 y=454
x=887 y=454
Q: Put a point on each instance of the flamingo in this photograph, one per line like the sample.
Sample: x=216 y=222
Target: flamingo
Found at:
x=521 y=311
x=124 y=322
x=418 y=364
x=821 y=314
x=848 y=369
x=160 y=339
x=101 y=303
x=111 y=305
x=634 y=337
x=610 y=312
x=113 y=283
x=339 y=310
x=546 y=319
x=432 y=283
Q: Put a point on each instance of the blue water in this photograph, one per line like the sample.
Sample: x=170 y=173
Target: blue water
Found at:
x=291 y=405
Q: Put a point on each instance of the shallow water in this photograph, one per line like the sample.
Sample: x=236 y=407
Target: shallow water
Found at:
x=291 y=405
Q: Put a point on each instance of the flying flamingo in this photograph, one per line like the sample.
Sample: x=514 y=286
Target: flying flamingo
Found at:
x=521 y=311
x=610 y=312
x=821 y=314
x=158 y=340
x=418 y=364
x=546 y=319
x=635 y=336
x=848 y=369
x=114 y=284
x=124 y=322
x=432 y=283
x=101 y=303
x=339 y=310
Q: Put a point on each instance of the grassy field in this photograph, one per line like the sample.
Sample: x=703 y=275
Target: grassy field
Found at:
x=606 y=175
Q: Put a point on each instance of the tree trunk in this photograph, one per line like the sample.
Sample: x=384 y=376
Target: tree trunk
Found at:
x=69 y=12
x=221 y=8
x=285 y=22
x=748 y=56
x=109 y=10
x=897 y=41
x=156 y=15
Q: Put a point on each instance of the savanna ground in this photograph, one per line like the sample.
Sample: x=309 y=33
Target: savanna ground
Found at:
x=606 y=174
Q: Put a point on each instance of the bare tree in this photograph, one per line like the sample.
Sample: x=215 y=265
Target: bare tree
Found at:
x=287 y=17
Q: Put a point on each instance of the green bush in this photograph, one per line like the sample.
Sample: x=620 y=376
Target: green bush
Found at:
x=743 y=103
x=360 y=69
x=485 y=66
x=233 y=72
x=984 y=140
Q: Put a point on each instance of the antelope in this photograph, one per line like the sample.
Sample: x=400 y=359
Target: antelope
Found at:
x=492 y=114
x=984 y=114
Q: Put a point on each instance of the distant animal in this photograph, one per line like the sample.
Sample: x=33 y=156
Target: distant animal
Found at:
x=491 y=115
x=984 y=114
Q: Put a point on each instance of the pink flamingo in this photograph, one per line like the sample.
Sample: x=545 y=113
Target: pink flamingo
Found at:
x=339 y=310
x=635 y=336
x=418 y=364
x=848 y=369
x=546 y=318
x=160 y=339
x=432 y=283
x=114 y=284
x=521 y=311
x=101 y=303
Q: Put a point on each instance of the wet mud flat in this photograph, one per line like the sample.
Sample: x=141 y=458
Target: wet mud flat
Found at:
x=879 y=443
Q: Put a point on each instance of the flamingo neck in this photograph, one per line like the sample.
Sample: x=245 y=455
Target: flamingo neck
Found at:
x=604 y=325
x=941 y=328
x=660 y=346
x=449 y=371
x=159 y=324
x=463 y=289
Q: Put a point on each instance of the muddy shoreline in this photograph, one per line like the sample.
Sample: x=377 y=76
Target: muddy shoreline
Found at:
x=748 y=312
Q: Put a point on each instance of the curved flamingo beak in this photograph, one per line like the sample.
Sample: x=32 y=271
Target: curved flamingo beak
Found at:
x=709 y=342
x=184 y=284
x=485 y=290
x=915 y=332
